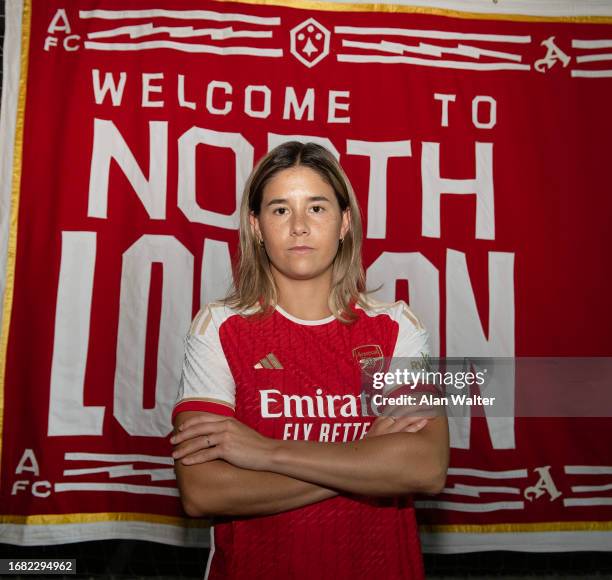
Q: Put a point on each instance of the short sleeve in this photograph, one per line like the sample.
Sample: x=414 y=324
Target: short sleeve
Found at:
x=410 y=357
x=206 y=382
x=412 y=337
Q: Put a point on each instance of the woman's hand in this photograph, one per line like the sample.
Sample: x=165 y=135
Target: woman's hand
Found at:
x=385 y=424
x=209 y=437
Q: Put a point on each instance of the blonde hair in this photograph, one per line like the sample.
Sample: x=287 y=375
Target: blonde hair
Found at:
x=253 y=281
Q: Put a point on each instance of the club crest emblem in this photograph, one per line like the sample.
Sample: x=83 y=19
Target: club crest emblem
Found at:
x=370 y=357
x=310 y=42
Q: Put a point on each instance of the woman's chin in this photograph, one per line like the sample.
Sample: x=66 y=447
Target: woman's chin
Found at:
x=302 y=273
x=301 y=269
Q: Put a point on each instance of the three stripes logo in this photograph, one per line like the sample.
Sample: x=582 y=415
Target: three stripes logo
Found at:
x=269 y=362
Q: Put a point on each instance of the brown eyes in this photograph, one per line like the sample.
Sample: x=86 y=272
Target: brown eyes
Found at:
x=318 y=208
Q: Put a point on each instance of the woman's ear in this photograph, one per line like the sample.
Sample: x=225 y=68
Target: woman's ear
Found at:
x=346 y=222
x=254 y=221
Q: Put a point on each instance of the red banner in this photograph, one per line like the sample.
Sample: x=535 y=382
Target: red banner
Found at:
x=478 y=146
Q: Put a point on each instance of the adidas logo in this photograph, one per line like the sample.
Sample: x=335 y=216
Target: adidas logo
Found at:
x=269 y=362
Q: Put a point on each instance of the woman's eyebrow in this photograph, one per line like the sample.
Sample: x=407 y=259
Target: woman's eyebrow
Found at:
x=284 y=200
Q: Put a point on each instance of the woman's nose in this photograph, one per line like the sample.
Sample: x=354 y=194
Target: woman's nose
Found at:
x=299 y=223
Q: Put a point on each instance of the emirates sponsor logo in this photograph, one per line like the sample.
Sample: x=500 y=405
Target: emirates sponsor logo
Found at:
x=275 y=404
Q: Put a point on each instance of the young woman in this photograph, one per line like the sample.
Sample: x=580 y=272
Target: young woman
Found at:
x=272 y=436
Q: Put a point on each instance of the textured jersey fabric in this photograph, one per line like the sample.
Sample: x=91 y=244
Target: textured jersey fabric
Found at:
x=296 y=379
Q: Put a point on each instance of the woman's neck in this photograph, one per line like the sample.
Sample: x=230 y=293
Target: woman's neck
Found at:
x=305 y=299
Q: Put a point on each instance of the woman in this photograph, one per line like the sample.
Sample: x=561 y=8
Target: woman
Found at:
x=272 y=436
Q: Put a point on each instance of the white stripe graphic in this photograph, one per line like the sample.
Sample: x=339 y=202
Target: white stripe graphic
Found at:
x=431 y=49
x=549 y=541
x=592 y=73
x=180 y=15
x=185 y=47
x=471 y=507
x=510 y=474
x=125 y=471
x=120 y=487
x=605 y=43
x=50 y=534
x=586 y=501
x=140 y=30
x=588 y=469
x=431 y=63
x=591 y=488
x=476 y=490
x=594 y=57
x=439 y=34
x=120 y=458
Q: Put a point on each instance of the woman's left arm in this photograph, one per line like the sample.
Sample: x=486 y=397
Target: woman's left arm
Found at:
x=387 y=465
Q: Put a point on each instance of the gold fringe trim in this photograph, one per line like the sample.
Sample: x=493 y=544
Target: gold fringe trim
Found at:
x=401 y=9
x=92 y=518
x=7 y=306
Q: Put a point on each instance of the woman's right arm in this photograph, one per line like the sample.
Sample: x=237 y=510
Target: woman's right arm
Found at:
x=219 y=488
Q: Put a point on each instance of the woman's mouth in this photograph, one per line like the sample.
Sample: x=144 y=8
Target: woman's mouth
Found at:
x=301 y=249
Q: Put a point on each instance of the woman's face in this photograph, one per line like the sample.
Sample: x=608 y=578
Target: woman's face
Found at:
x=300 y=222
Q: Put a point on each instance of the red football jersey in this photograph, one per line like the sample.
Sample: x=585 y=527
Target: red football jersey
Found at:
x=289 y=378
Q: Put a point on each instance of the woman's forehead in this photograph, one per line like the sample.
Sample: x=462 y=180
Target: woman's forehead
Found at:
x=297 y=182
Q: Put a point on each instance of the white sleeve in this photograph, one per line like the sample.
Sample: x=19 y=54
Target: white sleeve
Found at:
x=412 y=338
x=206 y=381
x=412 y=343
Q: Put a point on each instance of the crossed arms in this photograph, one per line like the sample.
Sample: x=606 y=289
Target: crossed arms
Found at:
x=224 y=467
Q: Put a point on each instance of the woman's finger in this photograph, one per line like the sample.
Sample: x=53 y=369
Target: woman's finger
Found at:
x=202 y=456
x=376 y=427
x=193 y=445
x=384 y=424
x=413 y=428
x=199 y=430
x=392 y=424
x=401 y=422
x=410 y=423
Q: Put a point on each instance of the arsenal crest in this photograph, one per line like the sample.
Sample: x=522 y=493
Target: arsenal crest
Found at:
x=370 y=357
x=310 y=42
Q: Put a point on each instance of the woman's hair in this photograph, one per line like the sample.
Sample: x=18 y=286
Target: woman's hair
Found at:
x=253 y=282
